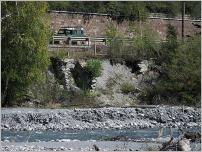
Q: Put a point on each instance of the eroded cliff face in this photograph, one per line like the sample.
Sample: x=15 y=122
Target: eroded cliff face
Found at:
x=98 y=25
x=118 y=84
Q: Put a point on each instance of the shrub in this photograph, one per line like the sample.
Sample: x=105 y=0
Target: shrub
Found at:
x=94 y=67
x=48 y=90
x=142 y=46
x=127 y=88
x=62 y=54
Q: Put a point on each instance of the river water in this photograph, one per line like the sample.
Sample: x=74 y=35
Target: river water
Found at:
x=83 y=135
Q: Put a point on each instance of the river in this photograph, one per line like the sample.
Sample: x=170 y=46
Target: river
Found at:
x=149 y=134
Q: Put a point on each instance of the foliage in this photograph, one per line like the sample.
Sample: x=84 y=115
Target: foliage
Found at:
x=24 y=46
x=171 y=8
x=62 y=54
x=143 y=45
x=193 y=8
x=111 y=32
x=180 y=79
x=130 y=9
x=47 y=90
x=60 y=5
x=94 y=67
x=168 y=48
x=135 y=11
x=127 y=88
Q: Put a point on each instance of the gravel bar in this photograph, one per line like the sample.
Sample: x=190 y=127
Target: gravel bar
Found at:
x=96 y=118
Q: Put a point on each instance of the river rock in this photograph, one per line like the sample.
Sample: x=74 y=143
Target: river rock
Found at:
x=61 y=119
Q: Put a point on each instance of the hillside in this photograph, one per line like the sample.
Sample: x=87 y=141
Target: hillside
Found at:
x=96 y=25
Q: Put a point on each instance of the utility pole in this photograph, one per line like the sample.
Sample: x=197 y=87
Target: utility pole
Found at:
x=183 y=13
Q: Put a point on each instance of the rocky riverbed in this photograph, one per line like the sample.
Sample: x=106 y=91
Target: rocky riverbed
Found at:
x=86 y=146
x=95 y=118
x=79 y=146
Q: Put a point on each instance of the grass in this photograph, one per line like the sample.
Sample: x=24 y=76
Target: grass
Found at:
x=94 y=66
x=51 y=105
x=74 y=54
x=127 y=88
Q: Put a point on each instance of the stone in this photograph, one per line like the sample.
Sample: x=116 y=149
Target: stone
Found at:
x=44 y=119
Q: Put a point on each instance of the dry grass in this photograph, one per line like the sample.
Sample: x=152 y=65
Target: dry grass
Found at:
x=75 y=54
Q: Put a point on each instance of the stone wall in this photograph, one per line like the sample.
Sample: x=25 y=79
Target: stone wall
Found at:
x=97 y=25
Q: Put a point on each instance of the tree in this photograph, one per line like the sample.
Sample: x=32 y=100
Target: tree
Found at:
x=24 y=47
x=185 y=72
x=170 y=8
x=179 y=81
x=182 y=79
x=193 y=8
x=169 y=47
x=64 y=5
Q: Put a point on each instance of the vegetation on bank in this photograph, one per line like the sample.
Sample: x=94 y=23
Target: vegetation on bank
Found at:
x=180 y=77
x=24 y=40
x=142 y=46
x=94 y=67
x=127 y=88
x=25 y=59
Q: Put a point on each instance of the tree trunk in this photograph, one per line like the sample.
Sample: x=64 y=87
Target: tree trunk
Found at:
x=4 y=100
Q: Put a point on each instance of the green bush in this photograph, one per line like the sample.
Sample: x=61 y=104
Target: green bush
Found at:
x=127 y=88
x=94 y=67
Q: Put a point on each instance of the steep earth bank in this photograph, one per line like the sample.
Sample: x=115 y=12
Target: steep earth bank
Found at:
x=98 y=25
x=108 y=88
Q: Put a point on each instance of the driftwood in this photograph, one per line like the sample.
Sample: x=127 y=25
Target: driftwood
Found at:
x=96 y=147
x=167 y=145
x=182 y=145
x=193 y=136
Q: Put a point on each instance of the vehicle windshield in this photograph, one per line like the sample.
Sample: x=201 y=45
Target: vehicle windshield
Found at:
x=68 y=32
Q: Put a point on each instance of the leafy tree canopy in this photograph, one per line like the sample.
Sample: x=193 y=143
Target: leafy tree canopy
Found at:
x=125 y=8
x=24 y=46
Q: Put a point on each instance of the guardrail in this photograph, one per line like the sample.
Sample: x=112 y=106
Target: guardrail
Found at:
x=68 y=46
x=98 y=39
x=69 y=39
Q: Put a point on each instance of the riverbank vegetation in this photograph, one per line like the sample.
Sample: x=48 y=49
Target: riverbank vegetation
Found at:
x=24 y=40
x=25 y=58
x=180 y=79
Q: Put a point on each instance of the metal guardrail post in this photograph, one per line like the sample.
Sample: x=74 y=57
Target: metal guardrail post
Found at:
x=70 y=41
x=88 y=41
